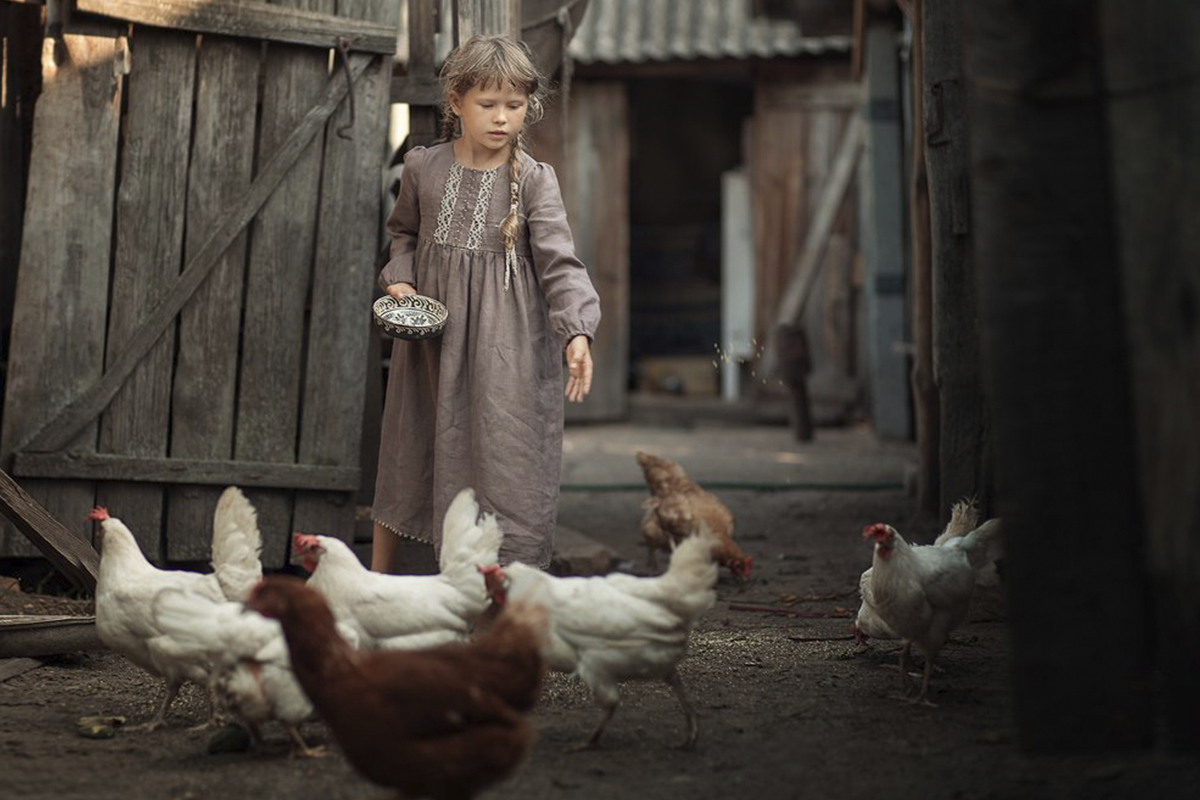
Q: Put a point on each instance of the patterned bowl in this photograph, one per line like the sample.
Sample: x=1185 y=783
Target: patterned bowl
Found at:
x=413 y=316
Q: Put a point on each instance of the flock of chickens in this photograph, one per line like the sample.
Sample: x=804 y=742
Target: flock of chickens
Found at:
x=425 y=681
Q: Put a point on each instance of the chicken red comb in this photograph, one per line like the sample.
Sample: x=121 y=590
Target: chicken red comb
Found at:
x=878 y=529
x=303 y=541
x=98 y=514
x=491 y=569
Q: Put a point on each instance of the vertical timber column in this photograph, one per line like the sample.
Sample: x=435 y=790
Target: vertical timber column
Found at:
x=1150 y=60
x=963 y=452
x=882 y=192
x=1056 y=372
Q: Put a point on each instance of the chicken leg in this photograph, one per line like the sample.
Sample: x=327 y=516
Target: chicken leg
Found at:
x=301 y=748
x=689 y=713
x=608 y=698
x=160 y=718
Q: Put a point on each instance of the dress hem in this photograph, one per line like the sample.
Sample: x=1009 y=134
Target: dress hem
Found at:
x=403 y=534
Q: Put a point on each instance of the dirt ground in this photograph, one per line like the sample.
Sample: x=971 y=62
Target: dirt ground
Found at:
x=790 y=706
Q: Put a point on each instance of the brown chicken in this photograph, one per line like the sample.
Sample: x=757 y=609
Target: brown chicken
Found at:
x=676 y=507
x=443 y=723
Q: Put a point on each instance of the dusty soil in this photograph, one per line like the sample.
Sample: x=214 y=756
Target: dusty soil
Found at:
x=789 y=705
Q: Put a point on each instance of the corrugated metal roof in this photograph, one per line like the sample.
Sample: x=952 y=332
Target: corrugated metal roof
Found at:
x=614 y=31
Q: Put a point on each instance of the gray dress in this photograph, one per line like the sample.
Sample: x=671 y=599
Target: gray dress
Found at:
x=481 y=405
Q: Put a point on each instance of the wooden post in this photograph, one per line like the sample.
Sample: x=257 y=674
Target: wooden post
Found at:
x=486 y=17
x=422 y=117
x=881 y=209
x=926 y=415
x=962 y=430
x=1058 y=377
x=1154 y=117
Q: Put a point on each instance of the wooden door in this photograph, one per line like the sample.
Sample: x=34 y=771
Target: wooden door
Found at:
x=197 y=268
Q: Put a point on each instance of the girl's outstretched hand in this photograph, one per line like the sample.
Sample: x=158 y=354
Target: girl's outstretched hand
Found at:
x=579 y=365
x=398 y=290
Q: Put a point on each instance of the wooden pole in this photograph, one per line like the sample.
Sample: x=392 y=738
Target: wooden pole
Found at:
x=1057 y=374
x=925 y=396
x=1154 y=117
x=962 y=429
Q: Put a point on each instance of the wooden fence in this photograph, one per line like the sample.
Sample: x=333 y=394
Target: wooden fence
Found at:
x=196 y=267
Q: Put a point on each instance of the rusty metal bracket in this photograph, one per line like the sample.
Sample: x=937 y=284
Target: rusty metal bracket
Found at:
x=343 y=46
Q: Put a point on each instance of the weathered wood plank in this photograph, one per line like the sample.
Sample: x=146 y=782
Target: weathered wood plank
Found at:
x=57 y=340
x=964 y=452
x=343 y=284
x=833 y=194
x=87 y=405
x=70 y=554
x=151 y=196
x=596 y=194
x=202 y=403
x=1057 y=377
x=278 y=278
x=249 y=19
x=1149 y=59
x=190 y=471
x=926 y=415
x=486 y=18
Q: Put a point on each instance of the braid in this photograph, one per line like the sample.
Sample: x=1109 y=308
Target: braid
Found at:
x=449 y=124
x=512 y=224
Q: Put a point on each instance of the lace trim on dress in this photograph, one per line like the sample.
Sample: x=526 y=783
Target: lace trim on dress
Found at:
x=482 y=202
x=441 y=234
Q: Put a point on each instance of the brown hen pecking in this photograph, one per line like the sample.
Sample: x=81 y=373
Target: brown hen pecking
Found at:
x=676 y=507
x=443 y=723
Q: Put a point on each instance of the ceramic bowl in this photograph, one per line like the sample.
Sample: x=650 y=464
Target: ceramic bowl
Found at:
x=413 y=316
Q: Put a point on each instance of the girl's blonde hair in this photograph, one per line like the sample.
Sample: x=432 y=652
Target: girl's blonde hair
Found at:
x=496 y=62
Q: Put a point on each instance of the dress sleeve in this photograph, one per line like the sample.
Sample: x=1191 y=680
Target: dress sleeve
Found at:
x=404 y=223
x=572 y=300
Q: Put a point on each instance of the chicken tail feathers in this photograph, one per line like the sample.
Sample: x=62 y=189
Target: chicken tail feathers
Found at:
x=236 y=545
x=983 y=546
x=964 y=518
x=468 y=541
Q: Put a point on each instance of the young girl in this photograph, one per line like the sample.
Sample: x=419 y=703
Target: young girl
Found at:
x=480 y=226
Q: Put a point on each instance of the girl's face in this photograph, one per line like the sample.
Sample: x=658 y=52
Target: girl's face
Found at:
x=491 y=117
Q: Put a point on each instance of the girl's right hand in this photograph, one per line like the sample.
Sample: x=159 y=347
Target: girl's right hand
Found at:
x=398 y=290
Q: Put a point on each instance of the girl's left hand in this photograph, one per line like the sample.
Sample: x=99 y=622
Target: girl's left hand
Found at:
x=579 y=365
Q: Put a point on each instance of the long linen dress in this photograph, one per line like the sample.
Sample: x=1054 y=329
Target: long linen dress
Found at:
x=480 y=406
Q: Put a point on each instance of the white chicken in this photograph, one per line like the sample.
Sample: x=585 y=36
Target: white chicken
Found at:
x=407 y=612
x=250 y=669
x=964 y=517
x=127 y=583
x=923 y=592
x=619 y=627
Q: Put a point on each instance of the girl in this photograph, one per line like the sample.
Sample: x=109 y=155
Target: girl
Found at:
x=480 y=226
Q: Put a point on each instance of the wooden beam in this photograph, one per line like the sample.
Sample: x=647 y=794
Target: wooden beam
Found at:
x=70 y=555
x=57 y=433
x=416 y=90
x=206 y=472
x=833 y=194
x=251 y=20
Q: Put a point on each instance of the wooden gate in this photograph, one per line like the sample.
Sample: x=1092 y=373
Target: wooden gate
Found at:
x=197 y=265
